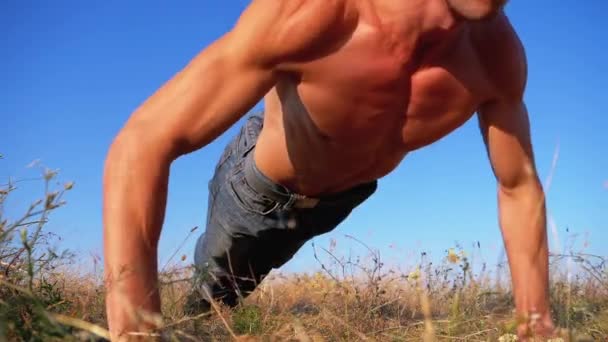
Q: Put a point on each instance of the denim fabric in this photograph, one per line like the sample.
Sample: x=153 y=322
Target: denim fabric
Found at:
x=254 y=224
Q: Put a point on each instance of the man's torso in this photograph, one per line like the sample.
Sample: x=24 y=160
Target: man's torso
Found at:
x=351 y=116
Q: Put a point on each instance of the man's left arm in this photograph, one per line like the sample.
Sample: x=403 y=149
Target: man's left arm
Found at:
x=506 y=130
x=505 y=126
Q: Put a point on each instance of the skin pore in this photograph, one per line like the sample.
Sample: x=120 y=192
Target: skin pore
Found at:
x=351 y=87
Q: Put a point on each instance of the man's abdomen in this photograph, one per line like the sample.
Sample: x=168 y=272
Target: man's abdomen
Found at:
x=317 y=155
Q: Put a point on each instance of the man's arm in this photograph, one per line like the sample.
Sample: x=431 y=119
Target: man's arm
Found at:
x=521 y=203
x=205 y=98
x=505 y=127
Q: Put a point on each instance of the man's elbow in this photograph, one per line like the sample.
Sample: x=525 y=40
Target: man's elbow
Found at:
x=134 y=145
x=525 y=183
x=133 y=156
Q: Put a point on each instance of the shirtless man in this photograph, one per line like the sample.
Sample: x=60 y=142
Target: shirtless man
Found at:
x=350 y=88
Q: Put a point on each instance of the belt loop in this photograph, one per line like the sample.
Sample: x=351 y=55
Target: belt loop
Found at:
x=292 y=200
x=248 y=135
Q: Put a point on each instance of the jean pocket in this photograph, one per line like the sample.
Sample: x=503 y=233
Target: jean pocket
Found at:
x=247 y=198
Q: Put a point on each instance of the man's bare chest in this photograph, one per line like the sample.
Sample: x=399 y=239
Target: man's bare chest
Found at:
x=411 y=96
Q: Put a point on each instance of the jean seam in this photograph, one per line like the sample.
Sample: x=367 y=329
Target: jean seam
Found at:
x=230 y=180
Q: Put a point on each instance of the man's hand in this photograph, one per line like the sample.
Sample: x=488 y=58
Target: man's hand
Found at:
x=536 y=326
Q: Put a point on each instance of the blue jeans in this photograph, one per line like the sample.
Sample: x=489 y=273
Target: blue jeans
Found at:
x=254 y=224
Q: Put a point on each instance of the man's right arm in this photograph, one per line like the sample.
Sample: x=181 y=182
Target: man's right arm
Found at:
x=209 y=95
x=204 y=99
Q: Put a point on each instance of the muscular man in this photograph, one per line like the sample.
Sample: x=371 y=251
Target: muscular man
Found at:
x=350 y=88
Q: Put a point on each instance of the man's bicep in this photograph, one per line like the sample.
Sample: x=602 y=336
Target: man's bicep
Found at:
x=209 y=94
x=202 y=100
x=230 y=76
x=506 y=131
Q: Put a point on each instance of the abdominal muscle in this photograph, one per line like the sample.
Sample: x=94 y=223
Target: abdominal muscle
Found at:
x=316 y=156
x=316 y=167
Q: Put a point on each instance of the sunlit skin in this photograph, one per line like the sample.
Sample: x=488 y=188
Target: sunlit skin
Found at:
x=350 y=88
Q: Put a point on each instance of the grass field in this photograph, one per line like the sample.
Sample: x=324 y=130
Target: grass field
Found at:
x=42 y=297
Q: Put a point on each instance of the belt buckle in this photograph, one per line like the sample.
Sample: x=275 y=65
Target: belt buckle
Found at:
x=304 y=202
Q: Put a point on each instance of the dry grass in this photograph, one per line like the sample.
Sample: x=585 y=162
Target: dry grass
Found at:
x=43 y=299
x=317 y=307
x=325 y=306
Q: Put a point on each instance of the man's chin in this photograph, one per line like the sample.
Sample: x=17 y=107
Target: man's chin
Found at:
x=475 y=10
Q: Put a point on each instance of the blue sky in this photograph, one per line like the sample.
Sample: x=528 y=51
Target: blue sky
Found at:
x=73 y=71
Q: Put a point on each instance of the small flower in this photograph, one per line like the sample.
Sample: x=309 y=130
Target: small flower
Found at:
x=452 y=256
x=68 y=185
x=50 y=199
x=415 y=274
x=49 y=174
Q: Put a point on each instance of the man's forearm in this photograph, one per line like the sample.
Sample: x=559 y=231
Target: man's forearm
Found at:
x=132 y=295
x=135 y=188
x=523 y=223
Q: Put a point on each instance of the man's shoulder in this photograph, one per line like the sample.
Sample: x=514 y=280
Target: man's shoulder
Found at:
x=286 y=30
x=502 y=54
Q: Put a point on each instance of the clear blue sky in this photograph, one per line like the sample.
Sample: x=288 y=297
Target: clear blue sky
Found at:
x=73 y=71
